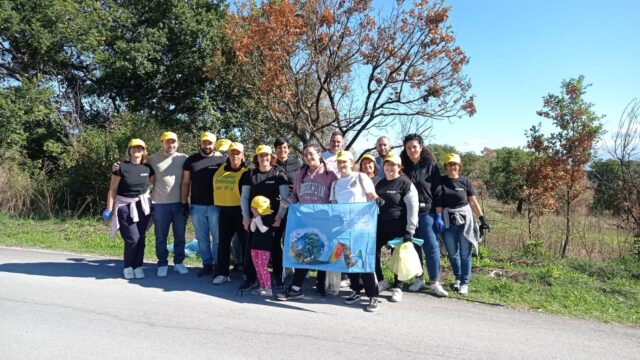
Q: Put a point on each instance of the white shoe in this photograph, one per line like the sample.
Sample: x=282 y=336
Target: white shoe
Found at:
x=456 y=285
x=416 y=286
x=464 y=289
x=139 y=273
x=220 y=279
x=396 y=296
x=180 y=269
x=162 y=271
x=345 y=283
x=437 y=290
x=128 y=273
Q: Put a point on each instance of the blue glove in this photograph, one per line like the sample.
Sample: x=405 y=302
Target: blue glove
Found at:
x=439 y=224
x=106 y=215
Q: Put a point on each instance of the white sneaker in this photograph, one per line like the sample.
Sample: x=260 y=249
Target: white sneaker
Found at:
x=396 y=296
x=416 y=286
x=345 y=283
x=162 y=271
x=456 y=285
x=437 y=290
x=464 y=289
x=128 y=273
x=139 y=273
x=180 y=269
x=220 y=279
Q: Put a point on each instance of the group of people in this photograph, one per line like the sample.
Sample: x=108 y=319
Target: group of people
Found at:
x=239 y=206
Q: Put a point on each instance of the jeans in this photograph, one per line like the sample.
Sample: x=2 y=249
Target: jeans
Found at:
x=165 y=215
x=426 y=232
x=134 y=235
x=460 y=251
x=205 y=226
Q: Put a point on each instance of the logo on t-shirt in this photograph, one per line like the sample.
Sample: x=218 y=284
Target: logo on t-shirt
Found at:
x=144 y=174
x=459 y=189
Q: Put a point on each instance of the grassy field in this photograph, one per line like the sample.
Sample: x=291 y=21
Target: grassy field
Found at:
x=599 y=289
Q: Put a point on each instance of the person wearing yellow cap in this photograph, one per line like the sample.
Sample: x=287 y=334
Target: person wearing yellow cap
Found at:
x=197 y=185
x=128 y=206
x=222 y=145
x=456 y=202
x=419 y=166
x=226 y=197
x=261 y=230
x=369 y=167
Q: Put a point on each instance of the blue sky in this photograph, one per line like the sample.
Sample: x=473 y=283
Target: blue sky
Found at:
x=522 y=50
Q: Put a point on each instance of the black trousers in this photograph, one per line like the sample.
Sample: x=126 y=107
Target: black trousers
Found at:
x=369 y=283
x=134 y=235
x=276 y=252
x=230 y=223
x=300 y=274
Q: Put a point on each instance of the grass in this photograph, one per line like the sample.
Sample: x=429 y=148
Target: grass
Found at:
x=602 y=290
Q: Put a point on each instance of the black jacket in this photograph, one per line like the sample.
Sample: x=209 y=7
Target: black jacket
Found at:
x=425 y=177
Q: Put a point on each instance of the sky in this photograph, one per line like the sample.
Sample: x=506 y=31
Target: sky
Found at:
x=522 y=50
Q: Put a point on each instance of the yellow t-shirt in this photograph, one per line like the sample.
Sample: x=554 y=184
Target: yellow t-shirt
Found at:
x=226 y=188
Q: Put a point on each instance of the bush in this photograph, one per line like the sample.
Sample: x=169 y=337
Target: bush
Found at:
x=15 y=188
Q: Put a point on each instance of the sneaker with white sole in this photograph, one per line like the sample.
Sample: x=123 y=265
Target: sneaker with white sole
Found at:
x=128 y=273
x=353 y=298
x=396 y=295
x=180 y=269
x=416 y=286
x=372 y=306
x=162 y=271
x=290 y=294
x=464 y=289
x=262 y=292
x=220 y=279
x=456 y=285
x=437 y=290
x=139 y=273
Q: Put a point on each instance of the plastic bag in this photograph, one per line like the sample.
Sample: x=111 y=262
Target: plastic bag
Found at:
x=405 y=262
x=332 y=282
x=190 y=248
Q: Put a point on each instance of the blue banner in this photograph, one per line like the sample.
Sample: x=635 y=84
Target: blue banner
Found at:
x=331 y=237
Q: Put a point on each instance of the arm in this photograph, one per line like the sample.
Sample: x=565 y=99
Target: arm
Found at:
x=411 y=202
x=475 y=206
x=185 y=186
x=245 y=203
x=284 y=204
x=113 y=190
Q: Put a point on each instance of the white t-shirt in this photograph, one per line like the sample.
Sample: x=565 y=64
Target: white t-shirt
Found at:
x=330 y=160
x=352 y=189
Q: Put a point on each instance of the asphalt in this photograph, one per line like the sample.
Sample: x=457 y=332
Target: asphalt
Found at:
x=60 y=305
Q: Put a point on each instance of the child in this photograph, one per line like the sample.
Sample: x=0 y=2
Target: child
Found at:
x=262 y=233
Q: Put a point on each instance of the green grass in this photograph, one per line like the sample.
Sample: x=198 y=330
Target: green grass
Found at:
x=604 y=290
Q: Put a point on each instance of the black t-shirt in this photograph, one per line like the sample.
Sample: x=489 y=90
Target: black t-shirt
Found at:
x=290 y=167
x=202 y=169
x=134 y=178
x=266 y=184
x=393 y=193
x=454 y=193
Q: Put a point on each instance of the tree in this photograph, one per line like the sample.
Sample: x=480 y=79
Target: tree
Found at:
x=578 y=131
x=605 y=176
x=321 y=65
x=506 y=175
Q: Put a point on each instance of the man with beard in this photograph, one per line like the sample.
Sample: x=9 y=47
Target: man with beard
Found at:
x=197 y=182
x=383 y=145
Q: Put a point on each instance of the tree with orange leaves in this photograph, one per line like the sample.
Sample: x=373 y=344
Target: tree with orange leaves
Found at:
x=320 y=65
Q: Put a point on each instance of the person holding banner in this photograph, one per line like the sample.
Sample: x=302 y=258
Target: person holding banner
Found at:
x=419 y=166
x=311 y=185
x=354 y=187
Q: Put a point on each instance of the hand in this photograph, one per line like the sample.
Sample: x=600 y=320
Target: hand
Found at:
x=277 y=221
x=245 y=223
x=380 y=202
x=484 y=226
x=439 y=224
x=186 y=210
x=115 y=167
x=106 y=215
x=407 y=237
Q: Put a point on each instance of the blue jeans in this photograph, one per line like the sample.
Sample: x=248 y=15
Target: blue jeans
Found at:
x=165 y=215
x=459 y=250
x=205 y=225
x=431 y=247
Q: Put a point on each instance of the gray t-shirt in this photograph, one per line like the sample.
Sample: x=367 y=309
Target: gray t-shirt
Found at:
x=168 y=171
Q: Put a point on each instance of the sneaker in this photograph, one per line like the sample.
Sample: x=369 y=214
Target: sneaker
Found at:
x=138 y=273
x=180 y=269
x=416 y=286
x=464 y=289
x=345 y=283
x=162 y=271
x=456 y=285
x=437 y=290
x=396 y=295
x=383 y=286
x=128 y=273
x=262 y=292
x=372 y=305
x=207 y=269
x=290 y=294
x=353 y=298
x=220 y=279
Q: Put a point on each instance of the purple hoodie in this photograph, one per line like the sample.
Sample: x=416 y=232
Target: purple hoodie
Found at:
x=312 y=187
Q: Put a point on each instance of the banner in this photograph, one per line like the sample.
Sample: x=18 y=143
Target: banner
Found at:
x=331 y=237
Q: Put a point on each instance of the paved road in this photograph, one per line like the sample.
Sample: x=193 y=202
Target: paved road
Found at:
x=58 y=305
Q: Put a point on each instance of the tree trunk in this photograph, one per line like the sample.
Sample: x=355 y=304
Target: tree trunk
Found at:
x=519 y=207
x=567 y=231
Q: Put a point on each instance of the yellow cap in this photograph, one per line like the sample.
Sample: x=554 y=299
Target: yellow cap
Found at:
x=168 y=135
x=223 y=144
x=137 y=142
x=208 y=136
x=263 y=149
x=236 y=146
x=452 y=158
x=393 y=158
x=262 y=205
x=368 y=156
x=344 y=155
